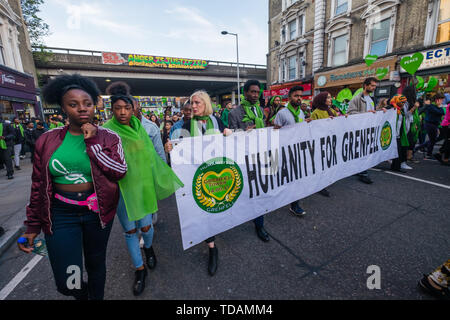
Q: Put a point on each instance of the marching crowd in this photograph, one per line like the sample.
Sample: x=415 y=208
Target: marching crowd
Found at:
x=82 y=168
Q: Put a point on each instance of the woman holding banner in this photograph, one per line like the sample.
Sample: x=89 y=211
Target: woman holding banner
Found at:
x=148 y=180
x=321 y=105
x=203 y=122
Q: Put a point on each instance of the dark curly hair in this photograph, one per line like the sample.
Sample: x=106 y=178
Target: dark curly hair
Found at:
x=54 y=91
x=119 y=90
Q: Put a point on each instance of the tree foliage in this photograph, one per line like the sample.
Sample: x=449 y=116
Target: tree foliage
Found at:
x=37 y=28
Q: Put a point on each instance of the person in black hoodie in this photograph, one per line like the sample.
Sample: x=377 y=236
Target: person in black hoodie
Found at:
x=433 y=116
x=29 y=139
x=6 y=142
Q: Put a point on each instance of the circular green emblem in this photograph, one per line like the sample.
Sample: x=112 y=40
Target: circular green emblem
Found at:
x=217 y=184
x=386 y=136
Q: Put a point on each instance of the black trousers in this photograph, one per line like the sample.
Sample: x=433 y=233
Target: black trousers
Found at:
x=445 y=149
x=5 y=157
x=401 y=156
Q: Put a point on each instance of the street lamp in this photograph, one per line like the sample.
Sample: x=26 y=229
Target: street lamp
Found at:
x=237 y=52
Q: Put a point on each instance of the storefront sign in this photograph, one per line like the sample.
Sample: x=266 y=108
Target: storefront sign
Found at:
x=16 y=81
x=51 y=111
x=355 y=74
x=434 y=58
x=283 y=90
x=114 y=58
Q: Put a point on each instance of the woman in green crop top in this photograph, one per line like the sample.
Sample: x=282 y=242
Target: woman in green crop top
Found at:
x=76 y=225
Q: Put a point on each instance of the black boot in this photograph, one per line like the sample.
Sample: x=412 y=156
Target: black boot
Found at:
x=139 y=281
x=213 y=259
x=150 y=257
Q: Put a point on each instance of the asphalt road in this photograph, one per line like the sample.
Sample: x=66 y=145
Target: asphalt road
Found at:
x=400 y=225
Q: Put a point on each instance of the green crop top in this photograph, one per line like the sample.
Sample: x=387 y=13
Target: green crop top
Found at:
x=70 y=163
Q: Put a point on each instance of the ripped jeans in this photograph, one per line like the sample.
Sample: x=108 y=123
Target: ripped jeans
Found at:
x=132 y=239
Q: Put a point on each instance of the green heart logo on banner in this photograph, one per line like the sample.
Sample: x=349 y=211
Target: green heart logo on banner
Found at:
x=420 y=82
x=370 y=58
x=412 y=64
x=381 y=73
x=432 y=82
x=218 y=185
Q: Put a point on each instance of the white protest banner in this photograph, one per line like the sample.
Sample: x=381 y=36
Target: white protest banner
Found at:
x=231 y=180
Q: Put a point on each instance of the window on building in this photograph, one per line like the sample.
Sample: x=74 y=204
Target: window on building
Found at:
x=2 y=55
x=301 y=21
x=340 y=50
x=380 y=37
x=283 y=70
x=341 y=6
x=290 y=2
x=292 y=68
x=302 y=67
x=283 y=35
x=292 y=29
x=443 y=29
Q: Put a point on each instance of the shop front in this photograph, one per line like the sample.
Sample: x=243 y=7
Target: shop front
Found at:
x=283 y=91
x=436 y=63
x=352 y=77
x=17 y=95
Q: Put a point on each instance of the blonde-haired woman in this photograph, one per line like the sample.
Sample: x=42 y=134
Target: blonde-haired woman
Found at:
x=203 y=122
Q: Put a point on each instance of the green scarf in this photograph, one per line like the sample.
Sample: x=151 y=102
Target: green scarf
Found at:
x=403 y=134
x=295 y=113
x=20 y=128
x=276 y=112
x=148 y=178
x=224 y=117
x=250 y=115
x=196 y=126
x=2 y=142
x=415 y=126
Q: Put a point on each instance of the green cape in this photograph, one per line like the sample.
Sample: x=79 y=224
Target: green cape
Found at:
x=148 y=178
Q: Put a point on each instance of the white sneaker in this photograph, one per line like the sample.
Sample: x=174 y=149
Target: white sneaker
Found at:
x=403 y=165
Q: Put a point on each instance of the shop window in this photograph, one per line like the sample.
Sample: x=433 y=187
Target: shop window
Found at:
x=380 y=37
x=6 y=109
x=340 y=50
x=292 y=68
x=443 y=27
x=341 y=6
x=292 y=29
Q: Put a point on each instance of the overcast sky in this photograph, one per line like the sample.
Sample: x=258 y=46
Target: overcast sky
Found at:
x=173 y=28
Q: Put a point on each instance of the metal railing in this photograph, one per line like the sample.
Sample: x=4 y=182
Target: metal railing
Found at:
x=99 y=53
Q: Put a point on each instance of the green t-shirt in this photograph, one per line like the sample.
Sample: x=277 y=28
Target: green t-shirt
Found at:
x=70 y=163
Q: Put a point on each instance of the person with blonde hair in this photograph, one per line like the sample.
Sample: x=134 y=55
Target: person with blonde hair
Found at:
x=203 y=122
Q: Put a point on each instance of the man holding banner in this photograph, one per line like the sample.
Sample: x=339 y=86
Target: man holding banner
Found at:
x=288 y=116
x=247 y=116
x=362 y=103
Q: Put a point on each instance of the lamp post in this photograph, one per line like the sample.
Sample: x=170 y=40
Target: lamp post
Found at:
x=237 y=52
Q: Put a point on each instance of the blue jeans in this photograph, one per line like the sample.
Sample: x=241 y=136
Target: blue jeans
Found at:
x=77 y=230
x=132 y=239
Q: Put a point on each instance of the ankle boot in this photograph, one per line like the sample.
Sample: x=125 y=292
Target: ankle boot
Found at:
x=150 y=257
x=139 y=281
x=213 y=260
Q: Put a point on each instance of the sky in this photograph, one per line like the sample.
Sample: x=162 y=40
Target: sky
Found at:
x=172 y=28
